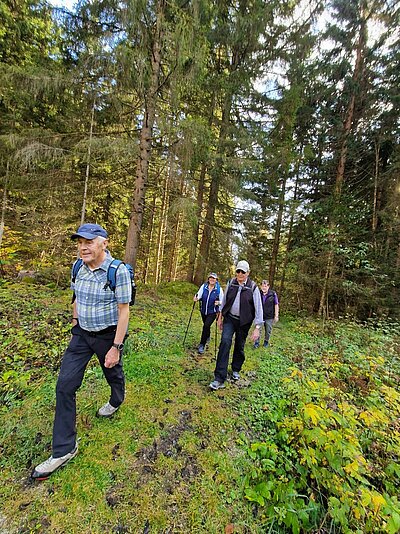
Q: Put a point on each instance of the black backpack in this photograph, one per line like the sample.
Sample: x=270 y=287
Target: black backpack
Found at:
x=111 y=276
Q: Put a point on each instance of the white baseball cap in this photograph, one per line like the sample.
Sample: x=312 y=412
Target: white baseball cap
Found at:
x=243 y=266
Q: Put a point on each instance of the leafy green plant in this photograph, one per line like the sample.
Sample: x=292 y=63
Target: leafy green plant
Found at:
x=34 y=328
x=332 y=452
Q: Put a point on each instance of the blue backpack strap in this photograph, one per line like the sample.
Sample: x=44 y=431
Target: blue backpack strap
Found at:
x=130 y=271
x=75 y=268
x=112 y=278
x=133 y=289
x=112 y=274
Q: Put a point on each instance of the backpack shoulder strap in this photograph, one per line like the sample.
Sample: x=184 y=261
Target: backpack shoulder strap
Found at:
x=75 y=268
x=130 y=270
x=251 y=284
x=112 y=274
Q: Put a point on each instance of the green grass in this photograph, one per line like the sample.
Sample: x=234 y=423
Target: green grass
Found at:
x=169 y=458
x=175 y=457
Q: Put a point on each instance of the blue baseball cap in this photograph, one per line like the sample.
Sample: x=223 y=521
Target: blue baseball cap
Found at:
x=90 y=231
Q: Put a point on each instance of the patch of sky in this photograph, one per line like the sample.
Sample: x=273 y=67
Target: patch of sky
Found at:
x=68 y=4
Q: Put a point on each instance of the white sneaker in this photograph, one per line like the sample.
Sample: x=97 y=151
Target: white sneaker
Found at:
x=107 y=410
x=235 y=376
x=216 y=384
x=45 y=469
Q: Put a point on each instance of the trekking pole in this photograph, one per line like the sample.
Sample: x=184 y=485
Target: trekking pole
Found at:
x=190 y=318
x=216 y=335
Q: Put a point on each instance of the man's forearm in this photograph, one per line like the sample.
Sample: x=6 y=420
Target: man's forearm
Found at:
x=74 y=313
x=123 y=321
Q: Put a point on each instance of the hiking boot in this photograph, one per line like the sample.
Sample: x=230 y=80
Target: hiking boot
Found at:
x=107 y=410
x=200 y=350
x=256 y=345
x=45 y=469
x=235 y=376
x=265 y=344
x=216 y=384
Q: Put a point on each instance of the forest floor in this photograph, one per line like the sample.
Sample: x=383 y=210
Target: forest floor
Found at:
x=177 y=457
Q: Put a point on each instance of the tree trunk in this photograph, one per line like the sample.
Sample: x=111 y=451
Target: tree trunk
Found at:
x=290 y=229
x=178 y=240
x=277 y=235
x=89 y=150
x=176 y=236
x=3 y=208
x=196 y=231
x=375 y=199
x=347 y=125
x=209 y=221
x=162 y=230
x=145 y=144
x=200 y=200
x=150 y=239
x=204 y=249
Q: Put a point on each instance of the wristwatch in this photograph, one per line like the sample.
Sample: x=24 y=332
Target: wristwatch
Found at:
x=118 y=346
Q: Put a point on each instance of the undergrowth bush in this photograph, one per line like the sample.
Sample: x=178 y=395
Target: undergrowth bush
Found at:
x=34 y=328
x=332 y=456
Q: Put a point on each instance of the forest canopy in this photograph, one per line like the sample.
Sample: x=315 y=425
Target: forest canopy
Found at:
x=201 y=132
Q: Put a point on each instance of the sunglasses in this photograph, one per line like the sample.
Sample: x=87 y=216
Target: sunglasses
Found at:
x=240 y=271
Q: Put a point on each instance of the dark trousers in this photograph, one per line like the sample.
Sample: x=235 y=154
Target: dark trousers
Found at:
x=207 y=322
x=268 y=329
x=231 y=326
x=78 y=354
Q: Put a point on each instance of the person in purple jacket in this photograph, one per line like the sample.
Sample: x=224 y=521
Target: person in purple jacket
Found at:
x=270 y=304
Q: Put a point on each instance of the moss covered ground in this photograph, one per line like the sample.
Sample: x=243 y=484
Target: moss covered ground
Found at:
x=177 y=457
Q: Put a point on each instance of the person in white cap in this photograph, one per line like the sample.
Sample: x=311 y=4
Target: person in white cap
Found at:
x=210 y=296
x=241 y=306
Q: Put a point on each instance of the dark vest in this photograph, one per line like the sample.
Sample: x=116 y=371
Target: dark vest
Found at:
x=268 y=304
x=247 y=309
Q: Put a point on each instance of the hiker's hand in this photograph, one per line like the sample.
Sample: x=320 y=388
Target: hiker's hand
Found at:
x=276 y=319
x=256 y=334
x=112 y=357
x=195 y=299
x=220 y=322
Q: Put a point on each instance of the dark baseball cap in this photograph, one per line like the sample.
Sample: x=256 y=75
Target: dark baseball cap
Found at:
x=90 y=231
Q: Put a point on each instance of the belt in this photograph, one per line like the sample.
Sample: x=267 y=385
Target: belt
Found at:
x=107 y=330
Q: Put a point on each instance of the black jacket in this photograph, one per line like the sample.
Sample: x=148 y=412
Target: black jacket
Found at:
x=268 y=304
x=247 y=309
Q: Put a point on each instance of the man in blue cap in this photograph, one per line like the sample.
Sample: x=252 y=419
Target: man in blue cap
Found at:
x=99 y=326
